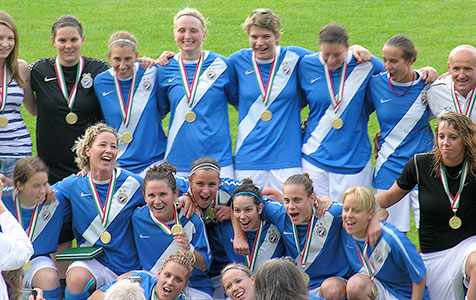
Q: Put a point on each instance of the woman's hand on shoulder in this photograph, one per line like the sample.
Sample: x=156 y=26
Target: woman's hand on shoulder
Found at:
x=163 y=59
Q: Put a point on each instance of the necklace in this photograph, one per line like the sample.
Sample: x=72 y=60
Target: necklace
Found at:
x=456 y=177
x=399 y=95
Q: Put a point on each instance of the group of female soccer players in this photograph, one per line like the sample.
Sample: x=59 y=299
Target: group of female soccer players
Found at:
x=136 y=212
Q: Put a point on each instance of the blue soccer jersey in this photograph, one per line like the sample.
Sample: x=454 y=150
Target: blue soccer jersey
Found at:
x=345 y=150
x=209 y=134
x=403 y=123
x=144 y=122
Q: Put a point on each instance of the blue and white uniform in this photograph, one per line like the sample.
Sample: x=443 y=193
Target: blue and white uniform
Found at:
x=15 y=140
x=209 y=134
x=405 y=131
x=145 y=124
x=274 y=144
x=394 y=258
x=345 y=150
x=154 y=245
x=270 y=245
x=120 y=253
x=326 y=256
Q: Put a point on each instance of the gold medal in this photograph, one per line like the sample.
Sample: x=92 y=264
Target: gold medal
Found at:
x=177 y=228
x=126 y=137
x=190 y=116
x=210 y=213
x=305 y=277
x=455 y=222
x=27 y=265
x=105 y=237
x=71 y=118
x=266 y=115
x=375 y=291
x=337 y=123
x=3 y=121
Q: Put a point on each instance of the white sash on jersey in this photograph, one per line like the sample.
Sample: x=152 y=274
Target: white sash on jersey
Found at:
x=352 y=85
x=44 y=216
x=188 y=229
x=378 y=256
x=401 y=130
x=95 y=229
x=141 y=97
x=281 y=79
x=319 y=237
x=217 y=67
x=267 y=248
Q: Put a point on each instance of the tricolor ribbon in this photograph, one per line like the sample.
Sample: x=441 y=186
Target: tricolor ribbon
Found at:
x=3 y=98
x=34 y=217
x=251 y=259
x=103 y=211
x=335 y=98
x=307 y=244
x=164 y=225
x=125 y=109
x=364 y=260
x=265 y=90
x=469 y=105
x=190 y=91
x=454 y=201
x=70 y=99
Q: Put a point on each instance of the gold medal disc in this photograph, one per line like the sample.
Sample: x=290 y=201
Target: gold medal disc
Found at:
x=105 y=237
x=177 y=228
x=266 y=115
x=455 y=222
x=3 y=121
x=190 y=116
x=375 y=291
x=126 y=137
x=305 y=277
x=210 y=213
x=337 y=123
x=27 y=265
x=71 y=118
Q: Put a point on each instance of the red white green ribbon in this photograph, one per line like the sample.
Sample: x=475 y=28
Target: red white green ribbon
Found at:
x=265 y=90
x=3 y=98
x=364 y=260
x=307 y=244
x=19 y=215
x=125 y=109
x=336 y=98
x=469 y=105
x=190 y=91
x=103 y=211
x=62 y=83
x=454 y=201
x=251 y=259
x=164 y=225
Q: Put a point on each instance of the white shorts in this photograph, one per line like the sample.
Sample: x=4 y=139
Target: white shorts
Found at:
x=194 y=294
x=383 y=293
x=225 y=172
x=268 y=178
x=157 y=163
x=102 y=274
x=446 y=270
x=37 y=263
x=399 y=213
x=333 y=184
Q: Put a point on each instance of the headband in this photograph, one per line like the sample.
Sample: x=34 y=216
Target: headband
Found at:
x=190 y=15
x=236 y=268
x=180 y=260
x=247 y=193
x=122 y=40
x=205 y=165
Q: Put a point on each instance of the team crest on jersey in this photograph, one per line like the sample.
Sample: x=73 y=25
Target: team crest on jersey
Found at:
x=273 y=236
x=321 y=231
x=46 y=215
x=147 y=84
x=378 y=256
x=211 y=74
x=286 y=69
x=122 y=197
x=424 y=98
x=87 y=80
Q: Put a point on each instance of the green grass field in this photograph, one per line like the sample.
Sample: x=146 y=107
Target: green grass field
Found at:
x=434 y=27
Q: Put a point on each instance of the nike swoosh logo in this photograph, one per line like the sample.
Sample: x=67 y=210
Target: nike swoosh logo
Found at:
x=171 y=79
x=287 y=232
x=385 y=100
x=104 y=94
x=144 y=236
x=249 y=72
x=49 y=79
x=85 y=195
x=315 y=79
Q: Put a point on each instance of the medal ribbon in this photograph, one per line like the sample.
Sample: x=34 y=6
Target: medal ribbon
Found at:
x=125 y=109
x=364 y=260
x=469 y=104
x=307 y=244
x=190 y=91
x=103 y=211
x=454 y=201
x=336 y=99
x=265 y=90
x=164 y=225
x=3 y=98
x=251 y=259
x=19 y=215
x=62 y=83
